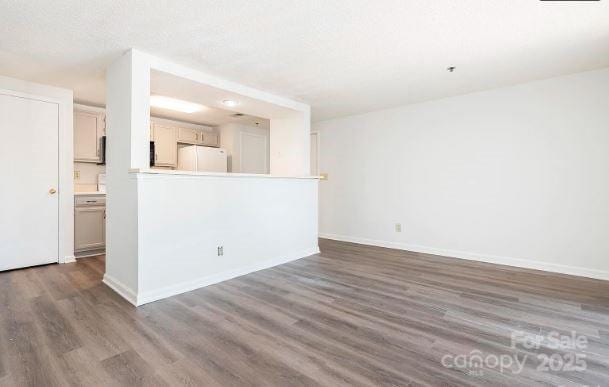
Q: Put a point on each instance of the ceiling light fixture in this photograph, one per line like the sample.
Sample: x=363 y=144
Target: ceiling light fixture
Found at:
x=178 y=105
x=451 y=69
x=230 y=103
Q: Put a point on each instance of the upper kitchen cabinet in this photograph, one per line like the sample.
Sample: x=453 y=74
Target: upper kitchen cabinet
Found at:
x=188 y=136
x=210 y=139
x=89 y=127
x=203 y=135
x=165 y=146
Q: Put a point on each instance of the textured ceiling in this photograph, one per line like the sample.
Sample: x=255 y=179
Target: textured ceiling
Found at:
x=341 y=56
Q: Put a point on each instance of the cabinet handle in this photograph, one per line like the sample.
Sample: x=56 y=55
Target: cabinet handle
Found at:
x=156 y=156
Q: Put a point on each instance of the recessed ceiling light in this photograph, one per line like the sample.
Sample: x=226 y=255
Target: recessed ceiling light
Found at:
x=230 y=103
x=178 y=105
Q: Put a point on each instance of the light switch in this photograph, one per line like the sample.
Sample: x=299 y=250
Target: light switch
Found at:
x=323 y=176
x=76 y=175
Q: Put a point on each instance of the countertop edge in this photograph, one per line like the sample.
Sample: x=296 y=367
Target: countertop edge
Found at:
x=92 y=193
x=216 y=174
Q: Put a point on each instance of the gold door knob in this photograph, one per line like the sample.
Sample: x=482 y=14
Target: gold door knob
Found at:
x=52 y=191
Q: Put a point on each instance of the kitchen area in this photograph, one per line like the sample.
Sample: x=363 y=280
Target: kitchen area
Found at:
x=184 y=136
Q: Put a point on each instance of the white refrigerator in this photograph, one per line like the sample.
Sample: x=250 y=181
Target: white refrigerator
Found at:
x=202 y=159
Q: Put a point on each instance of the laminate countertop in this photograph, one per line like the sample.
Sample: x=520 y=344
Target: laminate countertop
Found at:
x=89 y=193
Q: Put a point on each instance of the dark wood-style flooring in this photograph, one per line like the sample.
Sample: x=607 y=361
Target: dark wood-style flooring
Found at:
x=352 y=316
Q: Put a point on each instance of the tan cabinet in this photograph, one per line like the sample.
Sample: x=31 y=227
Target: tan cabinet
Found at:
x=189 y=136
x=89 y=228
x=198 y=136
x=89 y=223
x=165 y=146
x=209 y=138
x=89 y=127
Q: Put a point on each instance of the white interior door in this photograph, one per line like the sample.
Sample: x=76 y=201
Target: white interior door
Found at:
x=253 y=153
x=29 y=205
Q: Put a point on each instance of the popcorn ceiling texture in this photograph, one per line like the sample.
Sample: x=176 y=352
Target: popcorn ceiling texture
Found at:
x=342 y=57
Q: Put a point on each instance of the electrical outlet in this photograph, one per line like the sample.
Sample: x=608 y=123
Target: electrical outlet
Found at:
x=398 y=227
x=220 y=251
x=76 y=175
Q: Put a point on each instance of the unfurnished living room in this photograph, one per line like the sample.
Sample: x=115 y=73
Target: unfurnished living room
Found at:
x=291 y=192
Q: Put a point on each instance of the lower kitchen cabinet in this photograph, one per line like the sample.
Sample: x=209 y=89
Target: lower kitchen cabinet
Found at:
x=89 y=225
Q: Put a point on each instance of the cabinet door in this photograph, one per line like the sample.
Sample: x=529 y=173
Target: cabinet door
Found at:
x=210 y=138
x=188 y=135
x=88 y=128
x=165 y=146
x=89 y=228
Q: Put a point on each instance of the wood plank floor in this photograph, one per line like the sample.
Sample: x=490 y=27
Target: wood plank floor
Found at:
x=353 y=315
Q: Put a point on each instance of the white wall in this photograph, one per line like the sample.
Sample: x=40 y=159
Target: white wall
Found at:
x=128 y=133
x=230 y=140
x=64 y=99
x=260 y=221
x=289 y=144
x=517 y=175
x=88 y=176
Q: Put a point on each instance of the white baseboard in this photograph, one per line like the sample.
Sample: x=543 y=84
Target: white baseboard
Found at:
x=68 y=259
x=183 y=287
x=124 y=291
x=508 y=261
x=90 y=253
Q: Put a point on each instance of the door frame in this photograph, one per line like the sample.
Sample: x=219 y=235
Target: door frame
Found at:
x=63 y=98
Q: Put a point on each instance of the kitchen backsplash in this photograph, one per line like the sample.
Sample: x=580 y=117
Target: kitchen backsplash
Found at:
x=85 y=176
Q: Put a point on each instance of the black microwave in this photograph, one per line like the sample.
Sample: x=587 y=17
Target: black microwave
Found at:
x=102 y=151
x=152 y=153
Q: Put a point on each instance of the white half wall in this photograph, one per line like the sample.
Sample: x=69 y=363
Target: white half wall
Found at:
x=259 y=221
x=65 y=190
x=163 y=230
x=517 y=175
